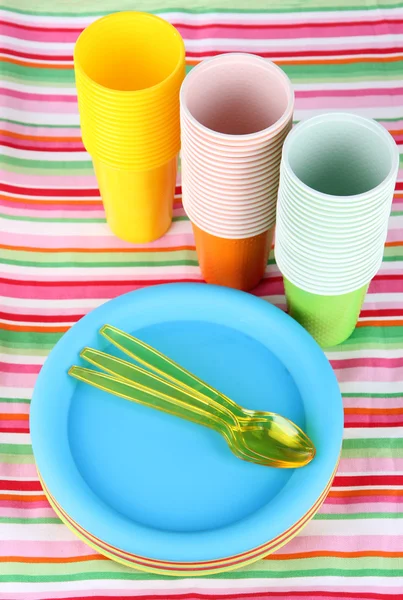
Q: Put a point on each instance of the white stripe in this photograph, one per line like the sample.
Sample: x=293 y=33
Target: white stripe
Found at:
x=18 y=359
x=102 y=273
x=365 y=353
x=34 y=89
x=15 y=438
x=15 y=392
x=377 y=527
x=41 y=118
x=207 y=18
x=58 y=323
x=362 y=433
x=347 y=85
x=45 y=303
x=351 y=488
x=228 y=585
x=373 y=387
x=48 y=156
x=74 y=229
x=373 y=112
x=37 y=532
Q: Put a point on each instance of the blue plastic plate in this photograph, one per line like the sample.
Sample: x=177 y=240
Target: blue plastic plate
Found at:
x=163 y=488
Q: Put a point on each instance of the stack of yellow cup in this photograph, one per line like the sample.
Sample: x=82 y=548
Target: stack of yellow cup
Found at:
x=129 y=67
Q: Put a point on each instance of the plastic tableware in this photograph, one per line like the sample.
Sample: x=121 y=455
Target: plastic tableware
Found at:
x=138 y=204
x=128 y=97
x=215 y=506
x=261 y=437
x=329 y=319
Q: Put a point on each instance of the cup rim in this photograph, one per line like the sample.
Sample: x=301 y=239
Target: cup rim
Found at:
x=228 y=57
x=342 y=117
x=124 y=15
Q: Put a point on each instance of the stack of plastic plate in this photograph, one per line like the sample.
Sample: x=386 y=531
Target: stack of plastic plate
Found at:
x=161 y=494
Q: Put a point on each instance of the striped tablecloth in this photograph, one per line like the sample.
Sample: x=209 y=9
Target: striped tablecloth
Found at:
x=58 y=260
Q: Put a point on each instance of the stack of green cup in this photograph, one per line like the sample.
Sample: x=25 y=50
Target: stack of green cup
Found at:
x=337 y=178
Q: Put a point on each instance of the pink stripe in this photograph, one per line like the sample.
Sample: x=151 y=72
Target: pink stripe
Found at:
x=373 y=402
x=15 y=513
x=19 y=368
x=52 y=549
x=39 y=107
x=50 y=181
x=41 y=131
x=20 y=426
x=372 y=374
x=68 y=212
x=18 y=380
x=363 y=499
x=369 y=465
x=14 y=408
x=18 y=504
x=356 y=101
x=368 y=507
x=365 y=420
x=41 y=146
x=343 y=543
x=18 y=470
x=40 y=36
x=94 y=241
x=38 y=97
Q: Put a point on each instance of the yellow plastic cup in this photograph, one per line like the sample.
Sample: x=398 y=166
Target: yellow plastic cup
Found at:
x=138 y=204
x=129 y=67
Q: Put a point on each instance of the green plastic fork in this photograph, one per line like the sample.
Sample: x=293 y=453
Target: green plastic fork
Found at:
x=256 y=436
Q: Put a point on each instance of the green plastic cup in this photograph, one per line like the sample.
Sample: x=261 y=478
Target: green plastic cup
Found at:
x=329 y=319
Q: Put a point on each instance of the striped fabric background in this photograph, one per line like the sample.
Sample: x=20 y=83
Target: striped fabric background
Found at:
x=58 y=260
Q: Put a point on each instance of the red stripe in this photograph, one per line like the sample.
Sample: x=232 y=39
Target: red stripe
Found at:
x=357 y=481
x=23 y=191
x=247 y=596
x=49 y=57
x=36 y=147
x=383 y=312
x=21 y=486
x=294 y=54
x=41 y=318
x=197 y=27
x=350 y=363
x=307 y=53
x=94 y=283
x=372 y=424
x=22 y=429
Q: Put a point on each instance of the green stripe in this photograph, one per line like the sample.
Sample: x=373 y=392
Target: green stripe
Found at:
x=17 y=459
x=15 y=400
x=37 y=521
x=128 y=263
x=2 y=120
x=373 y=443
x=355 y=516
x=15 y=449
x=47 y=165
x=91 y=7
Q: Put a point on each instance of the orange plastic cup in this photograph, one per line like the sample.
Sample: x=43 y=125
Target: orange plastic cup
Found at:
x=138 y=204
x=236 y=263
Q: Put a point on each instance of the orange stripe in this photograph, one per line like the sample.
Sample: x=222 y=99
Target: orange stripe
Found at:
x=332 y=554
x=34 y=328
x=93 y=250
x=52 y=202
x=373 y=411
x=386 y=323
x=29 y=498
x=391 y=244
x=48 y=559
x=40 y=138
x=12 y=417
x=372 y=492
x=22 y=63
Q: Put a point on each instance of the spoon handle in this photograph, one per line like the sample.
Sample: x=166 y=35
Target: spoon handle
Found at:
x=168 y=369
x=161 y=394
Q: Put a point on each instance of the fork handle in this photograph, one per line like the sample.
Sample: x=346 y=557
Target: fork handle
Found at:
x=170 y=370
x=155 y=399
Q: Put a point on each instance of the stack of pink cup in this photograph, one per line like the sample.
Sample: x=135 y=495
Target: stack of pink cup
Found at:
x=236 y=110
